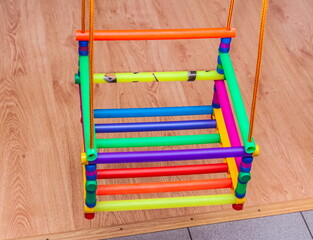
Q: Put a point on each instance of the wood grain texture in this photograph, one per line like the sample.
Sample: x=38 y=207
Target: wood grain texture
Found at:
x=40 y=132
x=180 y=222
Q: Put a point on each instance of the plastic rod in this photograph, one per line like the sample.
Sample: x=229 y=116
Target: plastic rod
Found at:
x=154 y=126
x=158 y=203
x=228 y=117
x=157 y=76
x=170 y=155
x=153 y=112
x=238 y=103
x=84 y=88
x=161 y=171
x=232 y=166
x=157 y=141
x=157 y=34
x=157 y=187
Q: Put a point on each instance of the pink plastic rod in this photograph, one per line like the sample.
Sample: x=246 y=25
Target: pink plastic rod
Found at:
x=228 y=117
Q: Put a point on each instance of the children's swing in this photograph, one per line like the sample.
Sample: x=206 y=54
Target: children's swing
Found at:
x=237 y=147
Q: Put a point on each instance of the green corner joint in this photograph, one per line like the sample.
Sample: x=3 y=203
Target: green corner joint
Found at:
x=76 y=78
x=91 y=198
x=91 y=185
x=237 y=101
x=91 y=195
x=243 y=180
x=244 y=177
x=241 y=188
x=91 y=154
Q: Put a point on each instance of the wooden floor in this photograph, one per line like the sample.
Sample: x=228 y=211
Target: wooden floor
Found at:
x=40 y=132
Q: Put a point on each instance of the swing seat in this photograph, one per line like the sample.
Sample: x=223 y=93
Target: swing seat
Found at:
x=227 y=115
x=235 y=151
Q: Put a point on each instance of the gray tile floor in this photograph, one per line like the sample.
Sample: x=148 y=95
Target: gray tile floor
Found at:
x=292 y=226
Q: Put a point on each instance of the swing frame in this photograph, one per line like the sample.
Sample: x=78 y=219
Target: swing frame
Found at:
x=237 y=147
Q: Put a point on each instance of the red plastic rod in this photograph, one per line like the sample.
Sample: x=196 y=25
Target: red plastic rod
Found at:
x=157 y=34
x=161 y=171
x=157 y=187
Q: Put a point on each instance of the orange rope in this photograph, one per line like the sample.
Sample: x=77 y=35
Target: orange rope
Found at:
x=258 y=68
x=83 y=16
x=91 y=66
x=230 y=13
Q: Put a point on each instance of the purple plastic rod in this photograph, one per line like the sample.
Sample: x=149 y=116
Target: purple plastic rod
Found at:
x=246 y=165
x=92 y=173
x=215 y=98
x=170 y=155
x=228 y=117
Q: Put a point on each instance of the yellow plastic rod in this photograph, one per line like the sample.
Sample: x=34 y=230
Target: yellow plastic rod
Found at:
x=158 y=203
x=232 y=167
x=157 y=76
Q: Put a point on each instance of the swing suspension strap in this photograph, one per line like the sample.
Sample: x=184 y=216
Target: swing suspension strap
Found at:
x=91 y=67
x=83 y=16
x=259 y=59
x=230 y=14
x=258 y=68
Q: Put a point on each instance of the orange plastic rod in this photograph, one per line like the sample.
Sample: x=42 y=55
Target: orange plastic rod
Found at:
x=157 y=34
x=157 y=187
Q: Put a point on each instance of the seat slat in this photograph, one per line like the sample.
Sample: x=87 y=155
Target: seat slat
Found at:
x=157 y=187
x=157 y=141
x=153 y=112
x=161 y=171
x=158 y=203
x=154 y=126
x=170 y=155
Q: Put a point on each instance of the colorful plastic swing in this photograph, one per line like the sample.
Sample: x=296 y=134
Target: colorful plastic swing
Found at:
x=237 y=147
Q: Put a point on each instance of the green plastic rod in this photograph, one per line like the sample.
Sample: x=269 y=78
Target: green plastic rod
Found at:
x=84 y=87
x=238 y=104
x=158 y=203
x=157 y=76
x=157 y=141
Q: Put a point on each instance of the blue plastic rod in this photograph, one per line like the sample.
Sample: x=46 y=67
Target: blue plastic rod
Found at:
x=154 y=126
x=152 y=112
